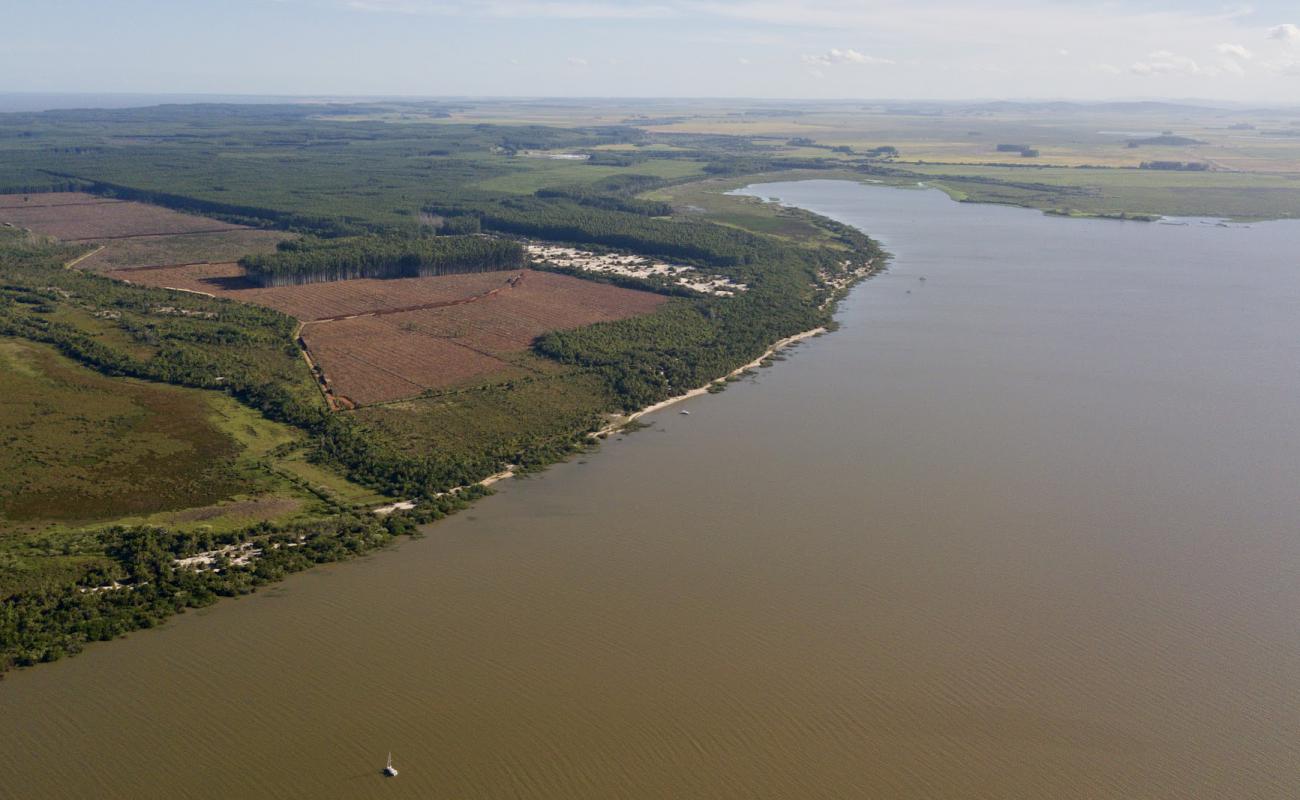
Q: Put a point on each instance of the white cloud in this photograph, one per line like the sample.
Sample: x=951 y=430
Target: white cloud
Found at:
x=1228 y=66
x=1231 y=61
x=1287 y=32
x=575 y=61
x=744 y=62
x=1001 y=22
x=1289 y=67
x=837 y=56
x=1163 y=62
x=1234 y=51
x=1062 y=52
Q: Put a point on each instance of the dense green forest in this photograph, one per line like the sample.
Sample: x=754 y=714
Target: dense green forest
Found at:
x=617 y=193
x=561 y=219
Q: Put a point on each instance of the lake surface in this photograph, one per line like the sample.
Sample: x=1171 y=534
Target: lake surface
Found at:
x=1029 y=528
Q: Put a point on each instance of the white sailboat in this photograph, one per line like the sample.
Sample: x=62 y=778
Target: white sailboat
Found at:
x=390 y=770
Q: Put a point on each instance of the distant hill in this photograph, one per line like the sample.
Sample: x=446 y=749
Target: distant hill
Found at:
x=1164 y=139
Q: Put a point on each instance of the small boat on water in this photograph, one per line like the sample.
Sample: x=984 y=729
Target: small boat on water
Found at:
x=390 y=771
x=684 y=413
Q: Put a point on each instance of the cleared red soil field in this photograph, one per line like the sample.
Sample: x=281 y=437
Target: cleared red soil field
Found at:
x=399 y=337
x=81 y=217
x=50 y=199
x=314 y=301
x=365 y=361
x=510 y=321
x=222 y=246
x=373 y=340
x=392 y=356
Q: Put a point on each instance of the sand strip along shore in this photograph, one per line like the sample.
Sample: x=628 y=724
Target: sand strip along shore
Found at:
x=775 y=348
x=620 y=421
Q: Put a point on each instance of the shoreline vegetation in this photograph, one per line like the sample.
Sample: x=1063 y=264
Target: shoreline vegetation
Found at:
x=776 y=347
x=625 y=421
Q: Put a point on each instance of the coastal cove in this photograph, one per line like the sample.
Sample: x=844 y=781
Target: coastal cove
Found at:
x=1024 y=526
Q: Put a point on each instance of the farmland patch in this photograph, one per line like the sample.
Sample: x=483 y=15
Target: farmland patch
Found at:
x=42 y=199
x=391 y=356
x=377 y=340
x=152 y=251
x=318 y=301
x=80 y=217
x=80 y=446
x=370 y=340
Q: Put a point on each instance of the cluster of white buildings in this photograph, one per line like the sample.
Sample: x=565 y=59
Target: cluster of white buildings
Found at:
x=634 y=266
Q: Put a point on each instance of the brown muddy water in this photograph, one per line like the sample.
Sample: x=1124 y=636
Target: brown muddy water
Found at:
x=1029 y=528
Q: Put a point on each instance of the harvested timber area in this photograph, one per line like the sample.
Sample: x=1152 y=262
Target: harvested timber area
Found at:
x=320 y=301
x=367 y=360
x=370 y=340
x=47 y=199
x=390 y=356
x=378 y=340
x=132 y=234
x=77 y=217
x=185 y=248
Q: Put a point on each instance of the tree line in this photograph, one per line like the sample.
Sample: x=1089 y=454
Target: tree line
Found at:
x=564 y=220
x=311 y=259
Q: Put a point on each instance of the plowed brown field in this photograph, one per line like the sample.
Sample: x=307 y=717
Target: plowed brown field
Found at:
x=317 y=301
x=50 y=199
x=380 y=340
x=188 y=248
x=373 y=340
x=82 y=217
x=366 y=360
x=388 y=357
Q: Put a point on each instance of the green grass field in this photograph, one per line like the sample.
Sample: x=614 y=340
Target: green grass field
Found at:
x=709 y=199
x=499 y=420
x=1236 y=195
x=527 y=175
x=81 y=447
x=80 y=451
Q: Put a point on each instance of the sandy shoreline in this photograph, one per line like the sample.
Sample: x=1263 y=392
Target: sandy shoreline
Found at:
x=619 y=421
x=868 y=270
x=840 y=288
x=774 y=349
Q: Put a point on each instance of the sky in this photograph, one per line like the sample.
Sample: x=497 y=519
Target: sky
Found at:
x=815 y=49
